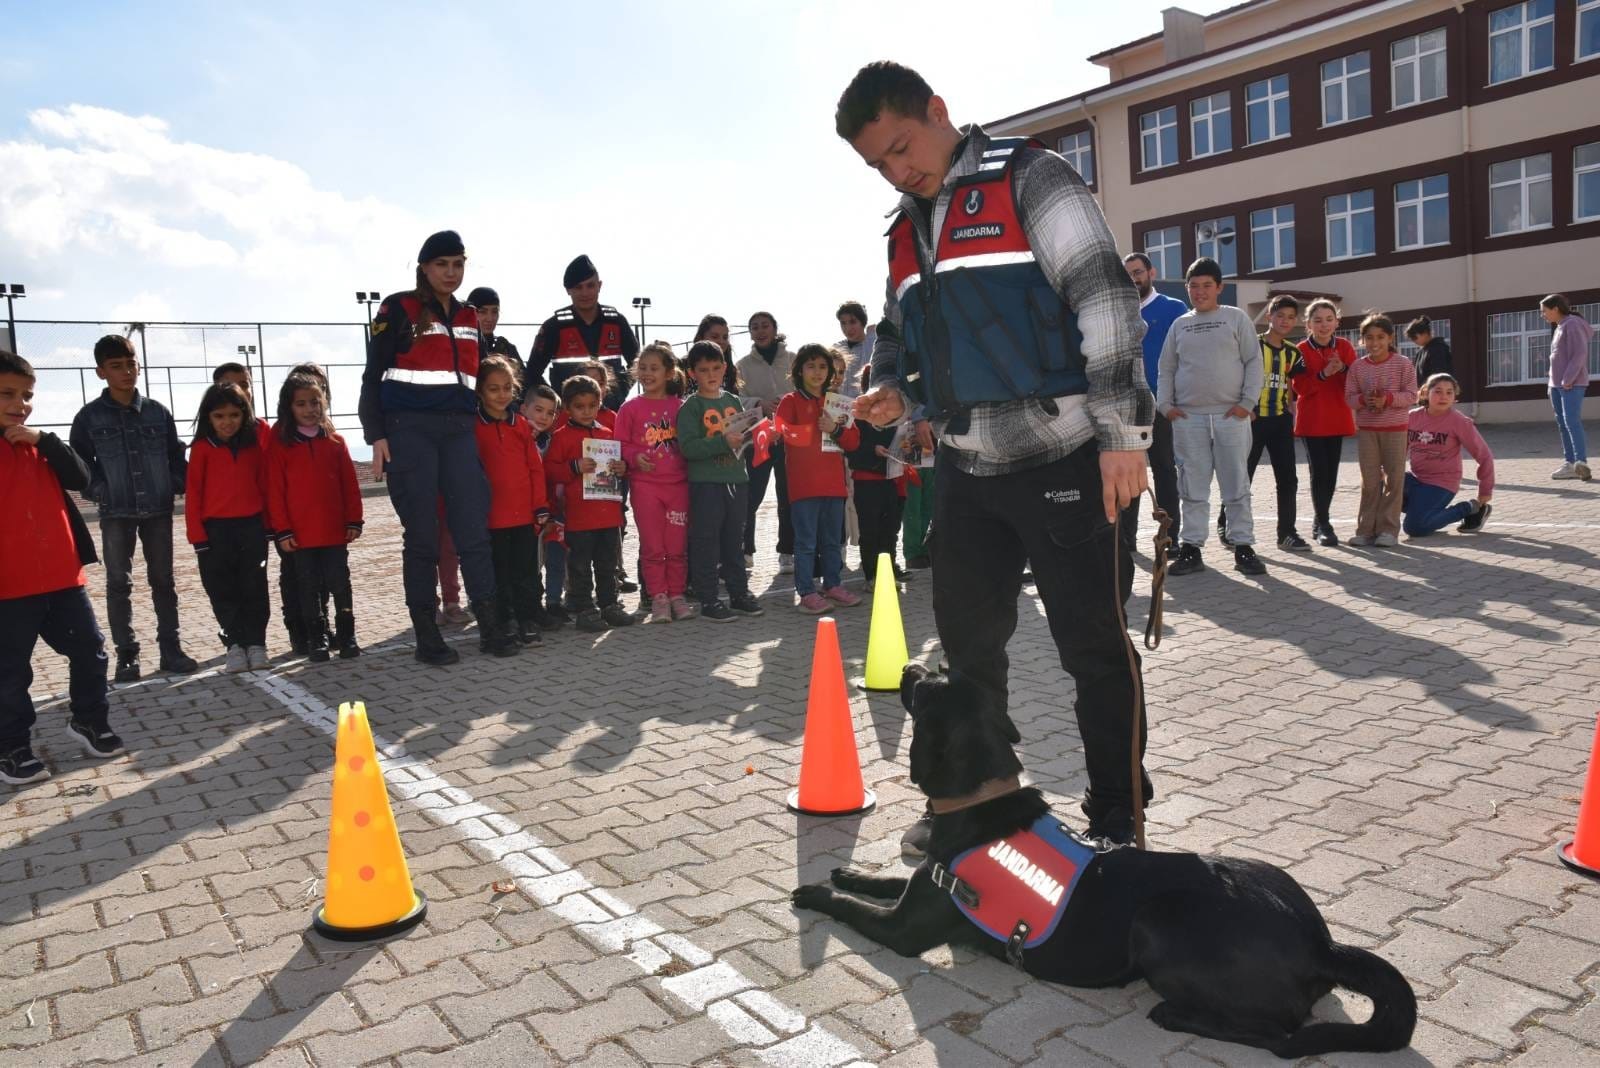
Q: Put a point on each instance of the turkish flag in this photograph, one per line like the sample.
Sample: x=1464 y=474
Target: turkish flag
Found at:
x=762 y=435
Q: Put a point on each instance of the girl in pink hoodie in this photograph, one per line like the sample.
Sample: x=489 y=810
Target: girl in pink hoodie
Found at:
x=658 y=480
x=1435 y=435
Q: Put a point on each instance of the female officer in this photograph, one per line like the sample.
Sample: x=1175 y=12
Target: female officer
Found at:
x=418 y=409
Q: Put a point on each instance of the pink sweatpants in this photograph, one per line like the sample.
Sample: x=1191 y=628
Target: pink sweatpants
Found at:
x=661 y=512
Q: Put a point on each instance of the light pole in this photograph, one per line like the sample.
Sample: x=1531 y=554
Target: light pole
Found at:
x=641 y=303
x=368 y=298
x=13 y=291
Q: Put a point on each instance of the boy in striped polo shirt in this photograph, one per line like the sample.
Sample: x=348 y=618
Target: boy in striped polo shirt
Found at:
x=1381 y=387
x=1272 y=429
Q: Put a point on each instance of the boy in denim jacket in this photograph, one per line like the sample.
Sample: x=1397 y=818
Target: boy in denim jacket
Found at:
x=136 y=467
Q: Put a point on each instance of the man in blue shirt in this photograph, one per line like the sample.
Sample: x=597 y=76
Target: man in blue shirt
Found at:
x=1159 y=312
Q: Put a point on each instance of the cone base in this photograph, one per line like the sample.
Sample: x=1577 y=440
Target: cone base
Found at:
x=371 y=934
x=1567 y=856
x=868 y=799
x=861 y=684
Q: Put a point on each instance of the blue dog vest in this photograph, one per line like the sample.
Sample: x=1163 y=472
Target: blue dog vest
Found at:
x=1017 y=889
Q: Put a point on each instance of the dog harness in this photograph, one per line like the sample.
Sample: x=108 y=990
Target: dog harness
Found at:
x=1017 y=889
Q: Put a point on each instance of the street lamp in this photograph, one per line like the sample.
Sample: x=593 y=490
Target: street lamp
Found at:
x=641 y=303
x=368 y=298
x=13 y=291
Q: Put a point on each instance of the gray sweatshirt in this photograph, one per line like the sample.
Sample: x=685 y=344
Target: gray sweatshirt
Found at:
x=1210 y=362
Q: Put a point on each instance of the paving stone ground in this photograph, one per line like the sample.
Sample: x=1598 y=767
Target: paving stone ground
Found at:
x=1406 y=731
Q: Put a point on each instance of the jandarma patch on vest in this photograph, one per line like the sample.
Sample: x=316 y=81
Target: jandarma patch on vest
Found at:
x=380 y=326
x=967 y=233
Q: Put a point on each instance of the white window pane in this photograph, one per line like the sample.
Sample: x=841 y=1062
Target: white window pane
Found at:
x=1537 y=165
x=1358 y=62
x=1541 y=9
x=1539 y=197
x=1505 y=209
x=1405 y=226
x=1280 y=117
x=1438 y=185
x=1404 y=49
x=1221 y=132
x=1542 y=47
x=1505 y=18
x=1436 y=222
x=1588 y=194
x=1589 y=32
x=1261 y=251
x=1361 y=200
x=1509 y=171
x=1406 y=190
x=1286 y=246
x=1433 y=76
x=1360 y=96
x=1363 y=239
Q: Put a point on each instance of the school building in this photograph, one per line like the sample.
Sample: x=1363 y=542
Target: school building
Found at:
x=1414 y=156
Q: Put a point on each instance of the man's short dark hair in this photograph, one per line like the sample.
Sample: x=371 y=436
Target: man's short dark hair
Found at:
x=876 y=87
x=229 y=369
x=1205 y=267
x=12 y=364
x=1283 y=300
x=705 y=352
x=113 y=347
x=1141 y=257
x=852 y=307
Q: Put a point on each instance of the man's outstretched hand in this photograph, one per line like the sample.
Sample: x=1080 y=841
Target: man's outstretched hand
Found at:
x=880 y=406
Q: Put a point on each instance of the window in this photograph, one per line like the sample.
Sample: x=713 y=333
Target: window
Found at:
x=1519 y=195
x=1417 y=69
x=1079 y=150
x=1519 y=348
x=1266 y=109
x=1589 y=29
x=1347 y=89
x=1272 y=238
x=1351 y=226
x=1158 y=138
x=1210 y=125
x=1422 y=212
x=1522 y=40
x=1215 y=238
x=1165 y=249
x=1591 y=314
x=1586 y=184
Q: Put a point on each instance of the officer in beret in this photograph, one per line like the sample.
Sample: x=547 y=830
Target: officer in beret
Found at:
x=584 y=330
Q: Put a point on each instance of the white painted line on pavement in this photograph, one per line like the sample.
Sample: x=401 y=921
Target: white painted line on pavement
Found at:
x=751 y=1017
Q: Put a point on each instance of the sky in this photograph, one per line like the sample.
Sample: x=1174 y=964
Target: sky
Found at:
x=197 y=161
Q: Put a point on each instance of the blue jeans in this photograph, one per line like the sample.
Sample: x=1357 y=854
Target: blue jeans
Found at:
x=817 y=523
x=1568 y=404
x=1428 y=508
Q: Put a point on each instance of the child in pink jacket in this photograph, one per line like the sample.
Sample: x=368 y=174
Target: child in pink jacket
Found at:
x=1435 y=435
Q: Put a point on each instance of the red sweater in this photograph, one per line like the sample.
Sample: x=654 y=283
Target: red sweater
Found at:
x=37 y=551
x=561 y=469
x=1321 y=411
x=312 y=493
x=222 y=484
x=811 y=472
x=517 y=496
x=607 y=418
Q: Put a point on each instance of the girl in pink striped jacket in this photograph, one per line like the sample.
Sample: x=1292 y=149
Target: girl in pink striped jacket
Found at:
x=1381 y=387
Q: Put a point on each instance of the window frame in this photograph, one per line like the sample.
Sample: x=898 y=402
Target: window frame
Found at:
x=1524 y=183
x=1216 y=239
x=1529 y=327
x=1414 y=61
x=1145 y=165
x=1420 y=203
x=1592 y=9
x=1343 y=81
x=1524 y=31
x=1158 y=254
x=1577 y=186
x=1086 y=149
x=1277 y=227
x=1348 y=218
x=1211 y=119
x=1271 y=100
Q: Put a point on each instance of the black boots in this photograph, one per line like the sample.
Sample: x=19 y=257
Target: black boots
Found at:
x=127 y=664
x=494 y=635
x=344 y=637
x=431 y=647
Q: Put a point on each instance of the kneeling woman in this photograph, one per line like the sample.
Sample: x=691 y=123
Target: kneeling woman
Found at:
x=418 y=411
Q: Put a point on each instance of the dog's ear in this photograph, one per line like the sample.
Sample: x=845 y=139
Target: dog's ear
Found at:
x=911 y=677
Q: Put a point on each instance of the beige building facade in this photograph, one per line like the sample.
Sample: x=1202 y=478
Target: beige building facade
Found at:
x=1420 y=157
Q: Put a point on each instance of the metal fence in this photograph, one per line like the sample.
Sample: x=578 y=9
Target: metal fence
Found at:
x=176 y=361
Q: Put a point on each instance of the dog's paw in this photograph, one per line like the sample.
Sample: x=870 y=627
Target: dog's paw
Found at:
x=811 y=897
x=910 y=675
x=848 y=878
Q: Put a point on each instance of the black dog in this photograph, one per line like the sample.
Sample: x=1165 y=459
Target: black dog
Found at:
x=1235 y=947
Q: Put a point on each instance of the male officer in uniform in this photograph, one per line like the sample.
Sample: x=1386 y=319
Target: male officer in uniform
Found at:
x=584 y=330
x=1010 y=320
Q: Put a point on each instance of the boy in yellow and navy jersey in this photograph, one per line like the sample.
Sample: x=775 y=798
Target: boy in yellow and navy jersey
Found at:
x=1272 y=419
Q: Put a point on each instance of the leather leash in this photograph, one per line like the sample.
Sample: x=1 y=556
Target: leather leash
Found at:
x=1160 y=543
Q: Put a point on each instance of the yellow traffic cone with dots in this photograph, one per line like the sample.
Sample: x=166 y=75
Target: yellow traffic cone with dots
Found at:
x=369 y=887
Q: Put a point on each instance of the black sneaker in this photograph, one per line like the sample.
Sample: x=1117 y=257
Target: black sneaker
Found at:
x=914 y=843
x=1246 y=560
x=592 y=622
x=528 y=634
x=745 y=604
x=627 y=586
x=716 y=612
x=1325 y=536
x=176 y=661
x=617 y=616
x=21 y=766
x=1114 y=827
x=544 y=619
x=96 y=741
x=919 y=563
x=559 y=617
x=1474 y=522
x=1293 y=542
x=1187 y=562
x=127 y=665
x=901 y=574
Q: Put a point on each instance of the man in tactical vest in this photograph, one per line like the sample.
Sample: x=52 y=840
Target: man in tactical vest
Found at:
x=1011 y=324
x=584 y=330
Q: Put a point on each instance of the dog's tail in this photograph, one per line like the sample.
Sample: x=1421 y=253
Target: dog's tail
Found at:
x=1394 y=1008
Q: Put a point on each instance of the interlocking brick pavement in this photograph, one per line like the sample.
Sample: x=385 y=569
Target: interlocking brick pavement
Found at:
x=1406 y=731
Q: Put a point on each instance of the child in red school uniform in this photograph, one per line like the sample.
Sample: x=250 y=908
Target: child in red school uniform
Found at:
x=518 y=507
x=658 y=478
x=541 y=405
x=816 y=481
x=314 y=510
x=225 y=520
x=593 y=542
x=44 y=545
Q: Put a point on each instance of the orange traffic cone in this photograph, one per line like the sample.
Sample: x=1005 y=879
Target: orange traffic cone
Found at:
x=369 y=888
x=1582 y=853
x=830 y=767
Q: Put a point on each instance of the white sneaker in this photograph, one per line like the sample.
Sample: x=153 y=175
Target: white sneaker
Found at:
x=238 y=660
x=256 y=656
x=786 y=563
x=1386 y=541
x=1565 y=471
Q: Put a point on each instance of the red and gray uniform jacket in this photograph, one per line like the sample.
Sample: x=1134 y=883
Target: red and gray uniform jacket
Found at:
x=432 y=371
x=566 y=342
